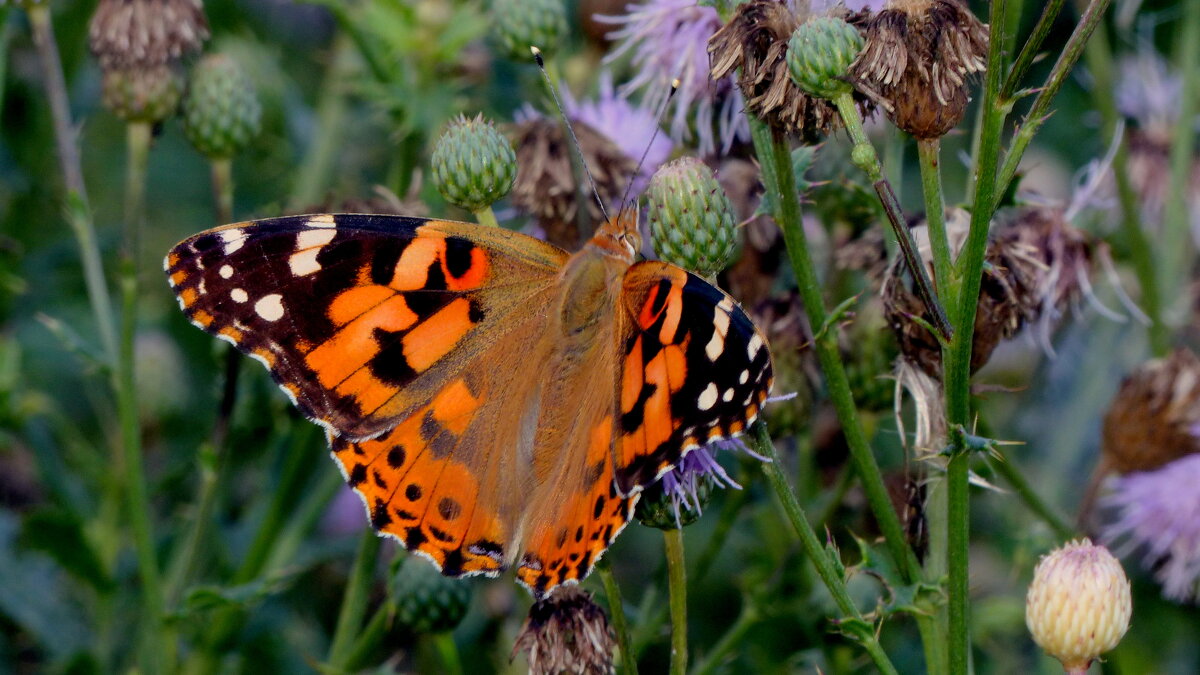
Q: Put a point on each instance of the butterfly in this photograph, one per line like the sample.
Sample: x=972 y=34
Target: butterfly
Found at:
x=492 y=398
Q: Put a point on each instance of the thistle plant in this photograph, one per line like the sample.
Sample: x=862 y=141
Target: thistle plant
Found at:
x=925 y=207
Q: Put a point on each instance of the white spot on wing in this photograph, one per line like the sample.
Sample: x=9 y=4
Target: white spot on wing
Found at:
x=754 y=345
x=744 y=377
x=226 y=271
x=270 y=307
x=239 y=295
x=308 y=244
x=715 y=346
x=728 y=395
x=233 y=239
x=322 y=220
x=708 y=397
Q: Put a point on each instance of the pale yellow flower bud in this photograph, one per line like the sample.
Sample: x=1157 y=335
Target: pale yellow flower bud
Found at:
x=1078 y=605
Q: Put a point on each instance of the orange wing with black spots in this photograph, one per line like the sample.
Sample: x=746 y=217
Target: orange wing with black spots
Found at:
x=351 y=313
x=694 y=369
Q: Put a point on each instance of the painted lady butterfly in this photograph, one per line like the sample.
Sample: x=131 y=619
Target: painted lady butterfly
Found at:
x=492 y=398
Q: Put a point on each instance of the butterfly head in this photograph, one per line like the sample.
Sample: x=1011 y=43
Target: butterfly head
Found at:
x=619 y=236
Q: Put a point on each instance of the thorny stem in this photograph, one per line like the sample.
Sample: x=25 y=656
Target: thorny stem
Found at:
x=935 y=217
x=616 y=609
x=1029 y=50
x=79 y=212
x=773 y=154
x=1178 y=250
x=1100 y=65
x=865 y=158
x=812 y=545
x=677 y=589
x=354 y=602
x=1040 y=111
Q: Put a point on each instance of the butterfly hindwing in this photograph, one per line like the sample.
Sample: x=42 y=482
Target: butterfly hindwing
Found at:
x=351 y=312
x=694 y=369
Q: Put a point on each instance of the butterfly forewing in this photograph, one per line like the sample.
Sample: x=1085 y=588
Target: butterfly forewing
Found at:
x=351 y=313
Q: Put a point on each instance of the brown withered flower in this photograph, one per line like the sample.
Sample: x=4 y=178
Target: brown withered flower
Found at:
x=756 y=40
x=1004 y=300
x=1155 y=416
x=126 y=34
x=566 y=632
x=546 y=183
x=918 y=60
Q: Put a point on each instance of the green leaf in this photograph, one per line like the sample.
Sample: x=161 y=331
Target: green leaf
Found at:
x=33 y=596
x=59 y=534
x=207 y=598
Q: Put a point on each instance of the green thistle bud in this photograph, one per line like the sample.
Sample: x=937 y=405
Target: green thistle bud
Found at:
x=426 y=601
x=670 y=510
x=520 y=24
x=222 y=113
x=819 y=56
x=691 y=219
x=473 y=164
x=142 y=94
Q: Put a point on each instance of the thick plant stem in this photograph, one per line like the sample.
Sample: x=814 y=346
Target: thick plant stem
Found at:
x=1141 y=253
x=616 y=610
x=159 y=640
x=929 y=151
x=79 y=212
x=773 y=154
x=354 y=602
x=677 y=588
x=486 y=216
x=222 y=185
x=865 y=158
x=812 y=546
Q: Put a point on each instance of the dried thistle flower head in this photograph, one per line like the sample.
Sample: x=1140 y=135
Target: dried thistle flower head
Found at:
x=756 y=41
x=1078 y=606
x=146 y=33
x=546 y=186
x=566 y=632
x=918 y=60
x=1155 y=416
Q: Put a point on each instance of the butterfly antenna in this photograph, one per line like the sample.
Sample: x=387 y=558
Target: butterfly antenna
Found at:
x=658 y=120
x=537 y=56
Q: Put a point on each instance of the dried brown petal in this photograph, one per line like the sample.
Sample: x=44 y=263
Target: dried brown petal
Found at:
x=918 y=60
x=546 y=184
x=755 y=40
x=566 y=632
x=146 y=33
x=1155 y=415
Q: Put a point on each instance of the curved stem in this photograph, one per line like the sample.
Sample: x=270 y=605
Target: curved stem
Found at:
x=616 y=610
x=779 y=179
x=677 y=589
x=354 y=602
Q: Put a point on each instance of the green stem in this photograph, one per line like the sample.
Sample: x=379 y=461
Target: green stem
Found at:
x=486 y=216
x=370 y=637
x=865 y=158
x=1178 y=250
x=222 y=184
x=1029 y=50
x=616 y=609
x=929 y=151
x=813 y=547
x=1141 y=253
x=677 y=589
x=447 y=652
x=79 y=213
x=1040 y=111
x=1032 y=500
x=158 y=639
x=779 y=179
x=731 y=639
x=354 y=602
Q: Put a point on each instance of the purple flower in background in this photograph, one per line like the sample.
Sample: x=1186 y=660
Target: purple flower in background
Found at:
x=668 y=39
x=1158 y=514
x=1148 y=90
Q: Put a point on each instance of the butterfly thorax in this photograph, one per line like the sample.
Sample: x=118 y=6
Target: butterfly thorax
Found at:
x=591 y=279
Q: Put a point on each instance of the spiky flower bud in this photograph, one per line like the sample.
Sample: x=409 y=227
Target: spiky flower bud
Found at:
x=127 y=34
x=426 y=601
x=222 y=113
x=820 y=53
x=691 y=219
x=473 y=164
x=142 y=94
x=520 y=24
x=1078 y=605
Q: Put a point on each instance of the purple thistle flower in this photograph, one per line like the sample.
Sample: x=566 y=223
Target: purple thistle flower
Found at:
x=683 y=484
x=1148 y=90
x=668 y=39
x=1158 y=514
